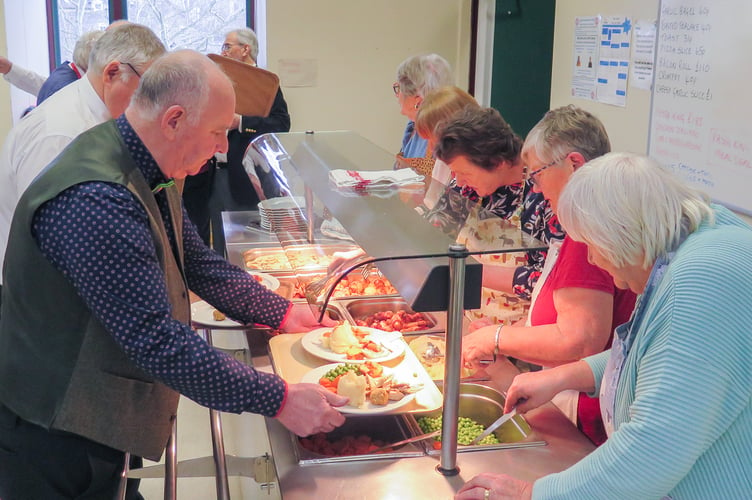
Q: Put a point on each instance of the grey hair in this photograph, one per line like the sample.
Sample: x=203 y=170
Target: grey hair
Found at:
x=172 y=80
x=630 y=209
x=127 y=43
x=565 y=130
x=419 y=75
x=83 y=47
x=246 y=36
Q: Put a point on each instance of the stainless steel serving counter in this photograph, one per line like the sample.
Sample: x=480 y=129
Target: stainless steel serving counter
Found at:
x=417 y=477
x=414 y=477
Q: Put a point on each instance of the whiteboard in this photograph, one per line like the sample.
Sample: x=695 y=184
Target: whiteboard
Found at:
x=701 y=112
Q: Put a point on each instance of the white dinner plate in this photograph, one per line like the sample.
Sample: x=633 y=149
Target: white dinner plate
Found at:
x=393 y=344
x=281 y=203
x=269 y=281
x=313 y=377
x=203 y=312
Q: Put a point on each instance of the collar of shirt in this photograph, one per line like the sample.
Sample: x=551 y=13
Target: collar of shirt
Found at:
x=143 y=158
x=94 y=103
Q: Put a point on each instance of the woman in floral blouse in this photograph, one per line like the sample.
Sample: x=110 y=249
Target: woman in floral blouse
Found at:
x=484 y=155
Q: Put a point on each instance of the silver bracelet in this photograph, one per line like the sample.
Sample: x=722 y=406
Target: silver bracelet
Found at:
x=496 y=342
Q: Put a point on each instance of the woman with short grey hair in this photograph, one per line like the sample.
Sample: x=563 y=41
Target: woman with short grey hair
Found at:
x=417 y=76
x=675 y=387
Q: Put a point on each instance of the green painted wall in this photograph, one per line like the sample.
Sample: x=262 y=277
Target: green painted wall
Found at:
x=523 y=54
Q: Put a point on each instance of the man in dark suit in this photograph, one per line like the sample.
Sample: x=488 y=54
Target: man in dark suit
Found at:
x=223 y=184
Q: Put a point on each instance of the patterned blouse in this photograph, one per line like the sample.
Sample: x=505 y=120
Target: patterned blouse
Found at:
x=536 y=219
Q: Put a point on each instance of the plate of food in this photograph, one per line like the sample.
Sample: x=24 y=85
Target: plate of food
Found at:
x=354 y=344
x=269 y=281
x=204 y=313
x=371 y=387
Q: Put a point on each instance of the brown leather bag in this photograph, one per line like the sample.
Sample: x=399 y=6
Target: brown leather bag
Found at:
x=255 y=88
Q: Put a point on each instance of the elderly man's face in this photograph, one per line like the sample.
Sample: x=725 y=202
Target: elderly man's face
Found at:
x=200 y=141
x=233 y=49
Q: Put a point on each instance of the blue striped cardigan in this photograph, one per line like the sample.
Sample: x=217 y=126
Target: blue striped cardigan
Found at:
x=683 y=422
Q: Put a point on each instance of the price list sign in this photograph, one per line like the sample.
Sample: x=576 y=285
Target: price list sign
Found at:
x=700 y=109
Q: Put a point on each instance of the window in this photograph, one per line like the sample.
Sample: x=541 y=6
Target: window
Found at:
x=180 y=24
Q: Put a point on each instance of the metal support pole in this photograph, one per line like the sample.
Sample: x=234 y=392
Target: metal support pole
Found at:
x=171 y=463
x=218 y=445
x=453 y=360
x=122 y=486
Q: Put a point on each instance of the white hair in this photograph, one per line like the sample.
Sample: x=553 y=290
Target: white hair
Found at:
x=127 y=43
x=564 y=130
x=83 y=47
x=419 y=75
x=630 y=209
x=181 y=77
x=246 y=36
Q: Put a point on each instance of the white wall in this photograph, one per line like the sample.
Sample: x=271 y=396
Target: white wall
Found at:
x=627 y=126
x=25 y=36
x=356 y=47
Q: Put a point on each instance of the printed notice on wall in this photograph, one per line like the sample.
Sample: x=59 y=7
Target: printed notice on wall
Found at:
x=613 y=66
x=298 y=72
x=585 y=61
x=643 y=54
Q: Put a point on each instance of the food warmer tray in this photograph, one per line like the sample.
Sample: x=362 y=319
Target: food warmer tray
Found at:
x=386 y=428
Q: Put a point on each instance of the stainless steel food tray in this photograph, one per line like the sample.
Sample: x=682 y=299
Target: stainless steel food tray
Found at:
x=385 y=428
x=285 y=260
x=360 y=307
x=484 y=405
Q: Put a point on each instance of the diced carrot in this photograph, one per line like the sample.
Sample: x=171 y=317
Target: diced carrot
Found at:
x=372 y=346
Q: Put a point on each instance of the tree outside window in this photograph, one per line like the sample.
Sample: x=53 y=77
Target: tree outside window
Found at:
x=180 y=24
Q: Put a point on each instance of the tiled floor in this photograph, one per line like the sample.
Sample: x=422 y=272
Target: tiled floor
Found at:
x=244 y=436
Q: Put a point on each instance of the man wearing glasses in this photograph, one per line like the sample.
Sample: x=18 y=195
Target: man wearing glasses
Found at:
x=229 y=185
x=119 y=56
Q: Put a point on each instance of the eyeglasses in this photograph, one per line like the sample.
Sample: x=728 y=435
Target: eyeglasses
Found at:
x=537 y=171
x=228 y=46
x=396 y=88
x=133 y=69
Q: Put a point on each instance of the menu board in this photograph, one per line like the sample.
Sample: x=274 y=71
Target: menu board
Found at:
x=701 y=111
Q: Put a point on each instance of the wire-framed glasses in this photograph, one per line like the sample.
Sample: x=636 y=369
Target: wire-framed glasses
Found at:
x=133 y=69
x=537 y=171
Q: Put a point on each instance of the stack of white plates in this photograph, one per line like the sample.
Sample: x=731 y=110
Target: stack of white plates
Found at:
x=283 y=214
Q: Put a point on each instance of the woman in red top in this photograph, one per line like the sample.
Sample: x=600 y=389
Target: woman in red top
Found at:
x=575 y=305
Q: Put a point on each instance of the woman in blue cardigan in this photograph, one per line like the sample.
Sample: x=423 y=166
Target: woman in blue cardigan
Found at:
x=676 y=385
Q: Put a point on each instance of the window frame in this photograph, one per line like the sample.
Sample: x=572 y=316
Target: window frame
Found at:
x=118 y=9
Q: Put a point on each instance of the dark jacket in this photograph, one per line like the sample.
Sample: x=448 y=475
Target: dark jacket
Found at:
x=243 y=193
x=59 y=367
x=61 y=76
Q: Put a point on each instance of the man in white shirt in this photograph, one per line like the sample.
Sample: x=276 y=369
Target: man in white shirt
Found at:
x=25 y=79
x=116 y=63
x=66 y=73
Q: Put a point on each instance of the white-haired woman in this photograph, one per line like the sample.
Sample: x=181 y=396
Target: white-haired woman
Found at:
x=676 y=385
x=416 y=77
x=575 y=305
